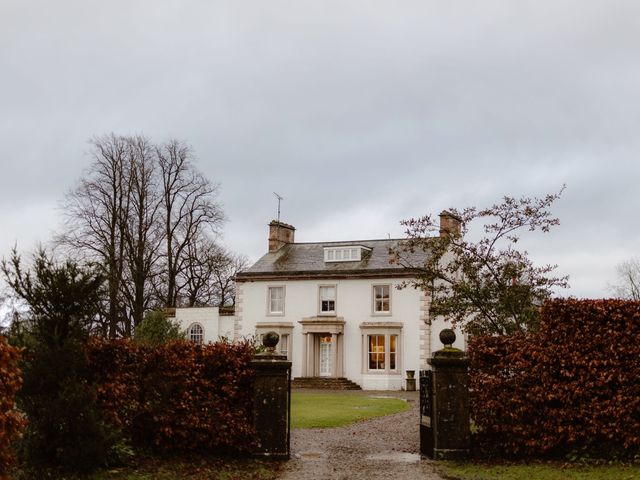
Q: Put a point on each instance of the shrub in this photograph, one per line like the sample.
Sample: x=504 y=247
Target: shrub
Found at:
x=570 y=388
x=11 y=420
x=157 y=328
x=65 y=427
x=177 y=396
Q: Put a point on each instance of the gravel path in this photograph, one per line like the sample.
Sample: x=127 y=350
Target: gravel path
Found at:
x=381 y=448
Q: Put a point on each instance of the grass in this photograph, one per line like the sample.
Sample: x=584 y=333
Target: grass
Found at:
x=540 y=471
x=328 y=410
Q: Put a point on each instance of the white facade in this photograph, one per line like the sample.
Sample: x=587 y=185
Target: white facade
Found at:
x=339 y=343
x=338 y=309
x=212 y=325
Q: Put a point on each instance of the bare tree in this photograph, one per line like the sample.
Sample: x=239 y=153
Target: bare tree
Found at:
x=139 y=213
x=209 y=274
x=197 y=275
x=142 y=232
x=224 y=275
x=94 y=231
x=628 y=273
x=189 y=208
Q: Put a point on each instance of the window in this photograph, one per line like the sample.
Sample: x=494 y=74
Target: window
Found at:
x=393 y=343
x=376 y=352
x=381 y=299
x=283 y=344
x=381 y=347
x=344 y=254
x=328 y=299
x=276 y=301
x=196 y=333
x=284 y=329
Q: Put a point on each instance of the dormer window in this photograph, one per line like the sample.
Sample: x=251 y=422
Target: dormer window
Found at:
x=344 y=254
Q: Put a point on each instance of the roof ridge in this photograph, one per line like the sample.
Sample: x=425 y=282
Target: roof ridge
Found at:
x=349 y=241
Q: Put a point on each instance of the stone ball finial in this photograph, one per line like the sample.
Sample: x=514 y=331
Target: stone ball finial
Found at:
x=447 y=337
x=270 y=340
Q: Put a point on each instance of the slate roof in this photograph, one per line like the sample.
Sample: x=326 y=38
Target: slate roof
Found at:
x=306 y=260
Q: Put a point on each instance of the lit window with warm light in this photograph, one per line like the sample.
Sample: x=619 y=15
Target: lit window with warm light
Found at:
x=376 y=352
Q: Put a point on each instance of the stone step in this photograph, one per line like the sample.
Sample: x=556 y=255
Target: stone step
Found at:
x=325 y=383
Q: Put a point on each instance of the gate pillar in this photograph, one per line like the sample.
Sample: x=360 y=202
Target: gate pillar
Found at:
x=271 y=400
x=450 y=420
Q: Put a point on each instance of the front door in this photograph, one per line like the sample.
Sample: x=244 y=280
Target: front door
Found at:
x=325 y=356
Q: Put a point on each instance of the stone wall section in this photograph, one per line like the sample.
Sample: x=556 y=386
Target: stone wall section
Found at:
x=425 y=330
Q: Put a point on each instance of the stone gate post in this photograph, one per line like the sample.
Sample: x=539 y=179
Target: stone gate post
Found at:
x=451 y=433
x=271 y=400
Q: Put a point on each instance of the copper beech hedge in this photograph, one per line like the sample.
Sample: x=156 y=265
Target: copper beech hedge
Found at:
x=573 y=387
x=12 y=422
x=177 y=396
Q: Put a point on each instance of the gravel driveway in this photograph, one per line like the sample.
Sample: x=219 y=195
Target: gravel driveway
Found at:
x=381 y=448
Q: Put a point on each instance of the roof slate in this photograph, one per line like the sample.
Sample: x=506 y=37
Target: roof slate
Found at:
x=307 y=259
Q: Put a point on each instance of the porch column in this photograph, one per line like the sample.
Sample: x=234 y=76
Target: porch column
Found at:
x=334 y=354
x=304 y=354
x=309 y=359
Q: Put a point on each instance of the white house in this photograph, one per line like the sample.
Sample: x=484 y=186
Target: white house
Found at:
x=338 y=308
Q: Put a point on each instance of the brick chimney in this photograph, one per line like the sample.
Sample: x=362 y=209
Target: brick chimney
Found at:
x=449 y=224
x=279 y=235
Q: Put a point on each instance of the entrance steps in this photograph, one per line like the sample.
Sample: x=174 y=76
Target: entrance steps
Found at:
x=325 y=383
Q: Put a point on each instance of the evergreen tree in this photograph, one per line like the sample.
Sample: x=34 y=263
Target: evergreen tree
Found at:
x=65 y=429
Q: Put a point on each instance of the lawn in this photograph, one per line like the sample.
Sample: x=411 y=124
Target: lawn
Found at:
x=327 y=410
x=540 y=471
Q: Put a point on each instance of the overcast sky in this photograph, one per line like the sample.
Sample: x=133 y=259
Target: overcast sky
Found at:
x=359 y=113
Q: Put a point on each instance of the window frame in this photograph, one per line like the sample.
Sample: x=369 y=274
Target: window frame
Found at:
x=276 y=313
x=328 y=313
x=375 y=312
x=200 y=334
x=345 y=253
x=393 y=366
x=284 y=341
x=387 y=330
x=281 y=328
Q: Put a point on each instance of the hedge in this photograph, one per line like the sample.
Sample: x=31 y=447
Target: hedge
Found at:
x=12 y=421
x=176 y=396
x=571 y=388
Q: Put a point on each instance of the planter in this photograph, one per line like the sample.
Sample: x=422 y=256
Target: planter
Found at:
x=411 y=373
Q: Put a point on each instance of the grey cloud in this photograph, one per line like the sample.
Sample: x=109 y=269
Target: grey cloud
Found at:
x=383 y=110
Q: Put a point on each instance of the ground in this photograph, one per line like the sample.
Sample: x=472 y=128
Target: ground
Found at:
x=382 y=448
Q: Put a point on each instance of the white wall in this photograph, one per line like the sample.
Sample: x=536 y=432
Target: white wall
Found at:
x=214 y=326
x=354 y=304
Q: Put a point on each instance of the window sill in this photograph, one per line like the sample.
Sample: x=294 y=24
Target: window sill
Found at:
x=387 y=373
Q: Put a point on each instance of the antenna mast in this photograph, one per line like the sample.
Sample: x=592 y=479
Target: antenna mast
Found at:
x=279 y=199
